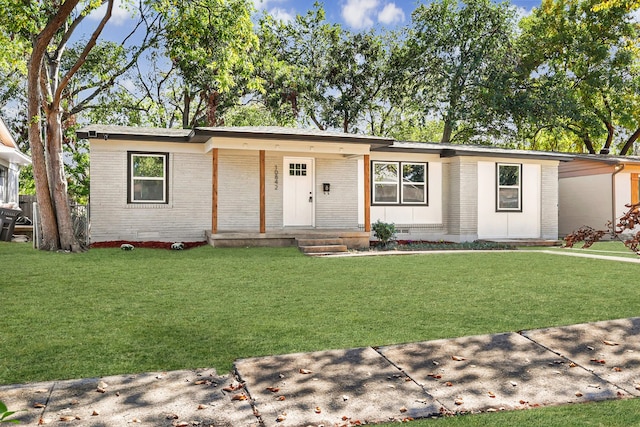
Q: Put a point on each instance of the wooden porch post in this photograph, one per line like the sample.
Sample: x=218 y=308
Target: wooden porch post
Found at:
x=263 y=222
x=367 y=194
x=214 y=192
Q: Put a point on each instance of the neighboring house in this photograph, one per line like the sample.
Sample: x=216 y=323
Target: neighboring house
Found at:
x=594 y=190
x=266 y=185
x=11 y=160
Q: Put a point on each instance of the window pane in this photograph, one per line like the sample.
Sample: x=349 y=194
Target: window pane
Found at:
x=412 y=173
x=509 y=174
x=385 y=172
x=509 y=198
x=413 y=193
x=148 y=166
x=148 y=190
x=385 y=193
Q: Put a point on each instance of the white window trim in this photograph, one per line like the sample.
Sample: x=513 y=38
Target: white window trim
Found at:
x=399 y=183
x=131 y=178
x=404 y=184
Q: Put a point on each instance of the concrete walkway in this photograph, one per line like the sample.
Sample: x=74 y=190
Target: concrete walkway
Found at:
x=486 y=373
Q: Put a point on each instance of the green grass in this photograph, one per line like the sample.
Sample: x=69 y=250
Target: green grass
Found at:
x=108 y=311
x=616 y=413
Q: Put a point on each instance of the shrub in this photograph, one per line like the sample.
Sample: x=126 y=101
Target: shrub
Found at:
x=384 y=231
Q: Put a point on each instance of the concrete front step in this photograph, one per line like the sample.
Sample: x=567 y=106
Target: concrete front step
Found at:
x=321 y=246
x=320 y=242
x=323 y=249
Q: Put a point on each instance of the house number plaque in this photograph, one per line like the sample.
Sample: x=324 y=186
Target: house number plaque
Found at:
x=275 y=176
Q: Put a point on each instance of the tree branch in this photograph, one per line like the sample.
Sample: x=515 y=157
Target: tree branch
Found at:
x=83 y=56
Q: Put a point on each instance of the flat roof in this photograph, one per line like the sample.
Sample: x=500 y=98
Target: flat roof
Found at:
x=377 y=143
x=457 y=150
x=203 y=134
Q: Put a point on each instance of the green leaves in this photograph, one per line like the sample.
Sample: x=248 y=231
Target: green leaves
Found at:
x=4 y=413
x=209 y=42
x=458 y=54
x=578 y=61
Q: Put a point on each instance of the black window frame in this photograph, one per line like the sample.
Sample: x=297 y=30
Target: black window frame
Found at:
x=502 y=186
x=399 y=183
x=130 y=177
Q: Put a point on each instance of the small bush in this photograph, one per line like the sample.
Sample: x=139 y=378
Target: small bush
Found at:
x=384 y=231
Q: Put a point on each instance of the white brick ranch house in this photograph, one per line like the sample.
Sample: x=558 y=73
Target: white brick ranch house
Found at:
x=269 y=185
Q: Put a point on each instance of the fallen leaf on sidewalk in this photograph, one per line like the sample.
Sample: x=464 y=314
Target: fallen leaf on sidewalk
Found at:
x=273 y=389
x=232 y=387
x=39 y=405
x=305 y=371
x=317 y=410
x=609 y=342
x=281 y=398
x=241 y=396
x=458 y=358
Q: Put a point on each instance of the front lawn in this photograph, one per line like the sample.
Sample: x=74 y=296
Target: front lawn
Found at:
x=109 y=311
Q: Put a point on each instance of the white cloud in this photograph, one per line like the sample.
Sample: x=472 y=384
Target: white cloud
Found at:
x=359 y=13
x=521 y=12
x=119 y=14
x=391 y=14
x=264 y=4
x=282 y=15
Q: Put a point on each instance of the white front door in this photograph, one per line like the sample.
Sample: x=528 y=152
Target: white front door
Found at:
x=298 y=197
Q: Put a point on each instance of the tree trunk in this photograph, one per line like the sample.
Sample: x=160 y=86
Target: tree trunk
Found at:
x=38 y=153
x=38 y=157
x=627 y=145
x=187 y=109
x=213 y=100
x=448 y=130
x=59 y=183
x=610 y=132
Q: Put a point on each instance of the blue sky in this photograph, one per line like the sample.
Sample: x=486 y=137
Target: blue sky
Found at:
x=361 y=14
x=355 y=15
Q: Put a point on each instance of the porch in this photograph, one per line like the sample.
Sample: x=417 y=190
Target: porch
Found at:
x=352 y=239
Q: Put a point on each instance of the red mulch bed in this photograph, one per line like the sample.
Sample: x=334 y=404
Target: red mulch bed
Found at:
x=148 y=245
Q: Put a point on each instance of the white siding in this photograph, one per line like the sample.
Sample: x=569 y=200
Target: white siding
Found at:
x=415 y=222
x=184 y=218
x=493 y=224
x=462 y=218
x=273 y=190
x=339 y=207
x=549 y=212
x=238 y=191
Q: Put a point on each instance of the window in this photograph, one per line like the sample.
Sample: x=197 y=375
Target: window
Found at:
x=509 y=187
x=148 y=174
x=4 y=185
x=399 y=183
x=298 y=169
